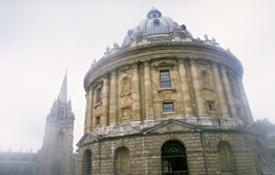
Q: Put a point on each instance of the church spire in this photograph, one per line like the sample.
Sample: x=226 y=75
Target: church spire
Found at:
x=62 y=97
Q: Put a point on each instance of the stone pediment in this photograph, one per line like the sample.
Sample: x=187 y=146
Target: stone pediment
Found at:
x=255 y=129
x=88 y=137
x=172 y=126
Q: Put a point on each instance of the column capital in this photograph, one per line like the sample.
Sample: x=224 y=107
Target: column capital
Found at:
x=135 y=65
x=114 y=72
x=147 y=63
x=192 y=61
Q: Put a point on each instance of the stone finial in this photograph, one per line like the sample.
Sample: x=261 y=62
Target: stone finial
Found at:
x=205 y=36
x=107 y=49
x=116 y=46
x=213 y=40
x=93 y=63
x=183 y=27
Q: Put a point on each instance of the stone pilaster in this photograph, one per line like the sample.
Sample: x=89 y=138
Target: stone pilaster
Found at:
x=197 y=88
x=105 y=99
x=228 y=92
x=245 y=103
x=220 y=91
x=89 y=109
x=136 y=94
x=185 y=89
x=113 y=98
x=148 y=91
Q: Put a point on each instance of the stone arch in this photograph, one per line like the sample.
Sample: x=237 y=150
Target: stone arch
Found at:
x=87 y=163
x=122 y=161
x=226 y=158
x=205 y=79
x=174 y=158
x=122 y=143
x=57 y=168
x=59 y=140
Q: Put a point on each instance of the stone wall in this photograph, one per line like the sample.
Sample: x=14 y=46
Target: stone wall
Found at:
x=201 y=149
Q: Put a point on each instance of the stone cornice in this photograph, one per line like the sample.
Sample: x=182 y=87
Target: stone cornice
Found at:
x=161 y=50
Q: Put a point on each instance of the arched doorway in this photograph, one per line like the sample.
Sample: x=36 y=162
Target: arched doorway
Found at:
x=122 y=161
x=87 y=163
x=174 y=160
x=226 y=158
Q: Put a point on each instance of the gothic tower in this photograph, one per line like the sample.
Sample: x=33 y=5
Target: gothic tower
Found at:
x=57 y=150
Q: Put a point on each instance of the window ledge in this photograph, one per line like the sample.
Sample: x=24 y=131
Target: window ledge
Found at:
x=125 y=95
x=97 y=104
x=168 y=113
x=166 y=89
x=212 y=112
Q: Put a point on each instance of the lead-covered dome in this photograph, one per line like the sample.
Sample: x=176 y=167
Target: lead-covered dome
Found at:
x=154 y=24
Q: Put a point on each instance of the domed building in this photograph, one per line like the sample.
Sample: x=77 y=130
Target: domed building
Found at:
x=167 y=103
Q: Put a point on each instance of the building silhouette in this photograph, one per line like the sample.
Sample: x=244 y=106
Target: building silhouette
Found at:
x=167 y=103
x=56 y=155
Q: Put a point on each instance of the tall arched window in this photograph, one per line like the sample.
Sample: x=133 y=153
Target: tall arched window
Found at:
x=122 y=161
x=56 y=170
x=226 y=158
x=87 y=163
x=174 y=160
x=59 y=140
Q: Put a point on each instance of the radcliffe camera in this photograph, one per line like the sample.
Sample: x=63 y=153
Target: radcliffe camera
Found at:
x=161 y=102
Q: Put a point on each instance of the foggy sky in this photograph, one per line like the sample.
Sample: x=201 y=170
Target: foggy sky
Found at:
x=40 y=39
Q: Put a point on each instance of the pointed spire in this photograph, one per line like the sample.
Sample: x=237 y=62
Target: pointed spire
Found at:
x=62 y=97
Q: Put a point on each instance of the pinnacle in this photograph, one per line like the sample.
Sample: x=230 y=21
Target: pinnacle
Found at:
x=62 y=97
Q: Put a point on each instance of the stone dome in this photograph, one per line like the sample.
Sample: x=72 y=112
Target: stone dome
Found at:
x=154 y=24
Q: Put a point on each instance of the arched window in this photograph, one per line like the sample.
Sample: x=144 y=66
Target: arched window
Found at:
x=205 y=80
x=87 y=163
x=59 y=140
x=122 y=161
x=174 y=160
x=226 y=158
x=56 y=170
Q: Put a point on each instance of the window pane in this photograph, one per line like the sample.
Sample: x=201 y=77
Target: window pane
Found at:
x=168 y=107
x=165 y=79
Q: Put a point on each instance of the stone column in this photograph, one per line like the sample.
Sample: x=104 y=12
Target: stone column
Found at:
x=89 y=109
x=136 y=94
x=197 y=88
x=185 y=89
x=113 y=98
x=245 y=103
x=220 y=91
x=105 y=99
x=86 y=113
x=228 y=92
x=148 y=91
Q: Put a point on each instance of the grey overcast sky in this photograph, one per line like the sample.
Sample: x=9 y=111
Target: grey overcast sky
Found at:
x=40 y=39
